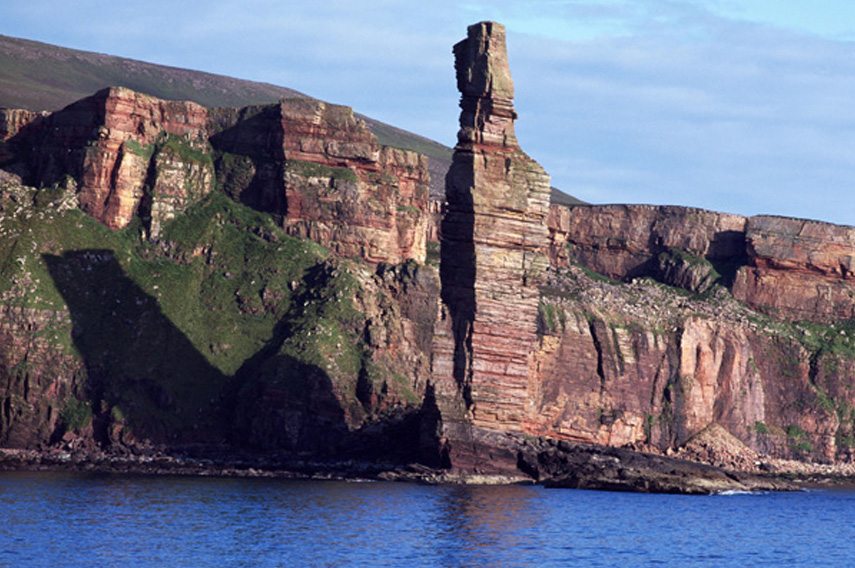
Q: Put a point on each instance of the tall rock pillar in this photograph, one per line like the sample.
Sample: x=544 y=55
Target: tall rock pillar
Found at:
x=494 y=242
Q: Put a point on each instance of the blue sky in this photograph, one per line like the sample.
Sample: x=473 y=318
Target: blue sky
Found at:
x=742 y=106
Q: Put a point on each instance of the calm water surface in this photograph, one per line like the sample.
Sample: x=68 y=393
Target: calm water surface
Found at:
x=52 y=520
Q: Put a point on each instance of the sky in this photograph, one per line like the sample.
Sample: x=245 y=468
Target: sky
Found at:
x=740 y=106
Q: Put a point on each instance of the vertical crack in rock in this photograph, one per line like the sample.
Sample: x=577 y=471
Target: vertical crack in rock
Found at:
x=494 y=242
x=598 y=347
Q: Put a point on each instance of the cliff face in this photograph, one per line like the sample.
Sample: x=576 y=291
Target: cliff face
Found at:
x=322 y=171
x=313 y=164
x=623 y=241
x=799 y=269
x=227 y=331
x=791 y=269
x=163 y=284
x=37 y=381
x=218 y=323
x=640 y=364
x=125 y=151
x=663 y=368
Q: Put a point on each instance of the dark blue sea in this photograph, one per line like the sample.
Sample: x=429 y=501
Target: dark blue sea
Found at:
x=62 y=519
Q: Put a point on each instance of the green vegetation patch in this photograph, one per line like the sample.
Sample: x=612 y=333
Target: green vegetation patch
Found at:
x=836 y=339
x=550 y=318
x=314 y=170
x=145 y=151
x=76 y=414
x=183 y=149
x=596 y=276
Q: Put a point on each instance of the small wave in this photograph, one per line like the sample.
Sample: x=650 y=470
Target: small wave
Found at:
x=730 y=492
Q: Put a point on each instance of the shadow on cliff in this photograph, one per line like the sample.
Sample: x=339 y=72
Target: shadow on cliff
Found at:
x=683 y=268
x=51 y=147
x=142 y=370
x=147 y=381
x=287 y=404
x=250 y=162
x=457 y=265
x=283 y=403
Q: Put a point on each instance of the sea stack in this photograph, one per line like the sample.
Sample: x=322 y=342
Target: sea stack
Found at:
x=494 y=242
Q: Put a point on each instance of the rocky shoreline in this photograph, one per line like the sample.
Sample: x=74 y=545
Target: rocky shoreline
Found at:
x=550 y=463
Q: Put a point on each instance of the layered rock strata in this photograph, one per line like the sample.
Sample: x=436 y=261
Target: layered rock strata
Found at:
x=632 y=362
x=127 y=153
x=12 y=123
x=39 y=384
x=320 y=169
x=315 y=165
x=799 y=269
x=641 y=365
x=493 y=255
x=793 y=269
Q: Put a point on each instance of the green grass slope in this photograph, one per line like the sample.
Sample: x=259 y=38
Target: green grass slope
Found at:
x=38 y=76
x=172 y=331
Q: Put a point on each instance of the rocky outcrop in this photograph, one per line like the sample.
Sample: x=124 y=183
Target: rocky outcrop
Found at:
x=641 y=365
x=787 y=268
x=12 y=122
x=558 y=463
x=493 y=254
x=624 y=241
x=798 y=269
x=319 y=167
x=126 y=151
x=39 y=384
x=664 y=368
x=318 y=172
x=315 y=165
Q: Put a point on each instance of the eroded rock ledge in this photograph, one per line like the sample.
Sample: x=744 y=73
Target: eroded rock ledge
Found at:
x=793 y=269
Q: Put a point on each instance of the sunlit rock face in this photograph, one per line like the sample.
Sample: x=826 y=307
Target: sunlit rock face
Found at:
x=319 y=168
x=793 y=269
x=798 y=269
x=126 y=153
x=494 y=242
x=314 y=165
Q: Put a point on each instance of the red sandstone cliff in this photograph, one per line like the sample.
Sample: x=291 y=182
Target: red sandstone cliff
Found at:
x=323 y=172
x=314 y=164
x=788 y=268
x=118 y=155
x=798 y=269
x=638 y=364
x=671 y=353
